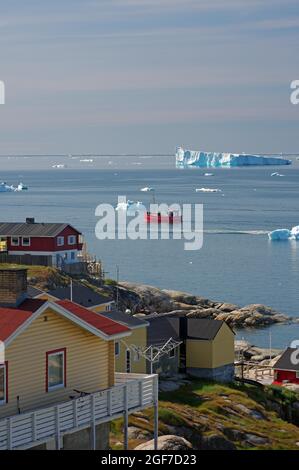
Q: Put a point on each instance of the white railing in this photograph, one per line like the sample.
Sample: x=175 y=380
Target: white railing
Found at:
x=130 y=393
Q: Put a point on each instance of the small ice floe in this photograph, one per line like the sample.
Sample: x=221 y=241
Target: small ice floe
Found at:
x=208 y=190
x=5 y=188
x=130 y=206
x=86 y=160
x=59 y=165
x=147 y=189
x=285 y=234
x=208 y=174
x=280 y=234
x=276 y=174
x=21 y=187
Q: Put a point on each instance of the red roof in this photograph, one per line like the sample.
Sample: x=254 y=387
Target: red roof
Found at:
x=12 y=318
x=106 y=325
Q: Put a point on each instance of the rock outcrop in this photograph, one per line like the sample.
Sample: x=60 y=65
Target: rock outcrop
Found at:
x=168 y=442
x=144 y=299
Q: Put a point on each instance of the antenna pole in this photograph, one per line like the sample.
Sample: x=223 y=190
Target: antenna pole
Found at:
x=117 y=292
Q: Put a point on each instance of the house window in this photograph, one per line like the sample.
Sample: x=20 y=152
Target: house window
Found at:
x=73 y=255
x=108 y=308
x=56 y=369
x=172 y=353
x=116 y=347
x=25 y=241
x=60 y=241
x=15 y=241
x=3 y=384
x=71 y=240
x=297 y=374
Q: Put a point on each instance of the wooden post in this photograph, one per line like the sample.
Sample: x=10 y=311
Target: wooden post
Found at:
x=33 y=427
x=126 y=419
x=109 y=402
x=9 y=434
x=140 y=393
x=75 y=412
x=57 y=423
x=156 y=411
x=93 y=423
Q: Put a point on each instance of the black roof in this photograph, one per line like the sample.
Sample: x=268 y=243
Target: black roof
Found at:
x=161 y=328
x=203 y=328
x=285 y=361
x=32 y=229
x=124 y=318
x=82 y=295
x=167 y=325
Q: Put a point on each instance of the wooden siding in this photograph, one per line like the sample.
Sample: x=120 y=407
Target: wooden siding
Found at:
x=214 y=353
x=138 y=338
x=223 y=347
x=199 y=354
x=88 y=367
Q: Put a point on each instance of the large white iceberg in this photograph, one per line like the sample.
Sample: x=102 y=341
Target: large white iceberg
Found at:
x=192 y=158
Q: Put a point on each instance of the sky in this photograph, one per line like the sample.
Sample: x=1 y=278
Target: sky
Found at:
x=121 y=76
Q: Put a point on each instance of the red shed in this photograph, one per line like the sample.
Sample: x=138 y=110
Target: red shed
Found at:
x=286 y=369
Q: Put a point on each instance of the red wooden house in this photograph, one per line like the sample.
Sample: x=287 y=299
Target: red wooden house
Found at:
x=61 y=243
x=285 y=369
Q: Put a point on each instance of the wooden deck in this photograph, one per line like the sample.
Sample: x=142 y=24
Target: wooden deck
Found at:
x=131 y=392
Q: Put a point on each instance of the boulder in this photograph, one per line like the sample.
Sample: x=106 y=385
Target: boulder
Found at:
x=255 y=440
x=216 y=442
x=168 y=442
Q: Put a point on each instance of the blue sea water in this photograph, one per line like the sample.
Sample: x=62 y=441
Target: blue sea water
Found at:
x=237 y=262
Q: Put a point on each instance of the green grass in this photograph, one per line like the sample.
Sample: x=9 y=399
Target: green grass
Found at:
x=207 y=408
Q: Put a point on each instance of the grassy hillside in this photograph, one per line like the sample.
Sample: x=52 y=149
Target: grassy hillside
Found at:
x=239 y=414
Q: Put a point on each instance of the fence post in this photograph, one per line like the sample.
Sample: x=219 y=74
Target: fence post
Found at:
x=9 y=434
x=126 y=418
x=156 y=411
x=57 y=423
x=93 y=423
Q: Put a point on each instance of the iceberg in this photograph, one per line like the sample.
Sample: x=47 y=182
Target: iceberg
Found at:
x=130 y=207
x=192 y=158
x=280 y=234
x=295 y=233
x=285 y=234
x=208 y=190
x=4 y=188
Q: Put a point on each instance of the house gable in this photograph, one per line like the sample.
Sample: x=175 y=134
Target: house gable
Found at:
x=88 y=367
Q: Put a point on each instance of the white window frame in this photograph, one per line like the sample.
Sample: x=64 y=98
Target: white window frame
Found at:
x=297 y=374
x=13 y=243
x=58 y=386
x=29 y=244
x=71 y=237
x=60 y=241
x=4 y=401
x=116 y=347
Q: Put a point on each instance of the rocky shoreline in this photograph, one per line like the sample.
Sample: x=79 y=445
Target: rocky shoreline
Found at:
x=144 y=300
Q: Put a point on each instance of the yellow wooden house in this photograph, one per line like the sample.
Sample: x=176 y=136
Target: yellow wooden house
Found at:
x=58 y=385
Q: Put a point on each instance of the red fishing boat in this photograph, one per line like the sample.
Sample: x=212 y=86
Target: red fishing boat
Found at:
x=158 y=218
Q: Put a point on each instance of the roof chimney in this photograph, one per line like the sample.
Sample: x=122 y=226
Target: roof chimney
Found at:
x=30 y=220
x=13 y=287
